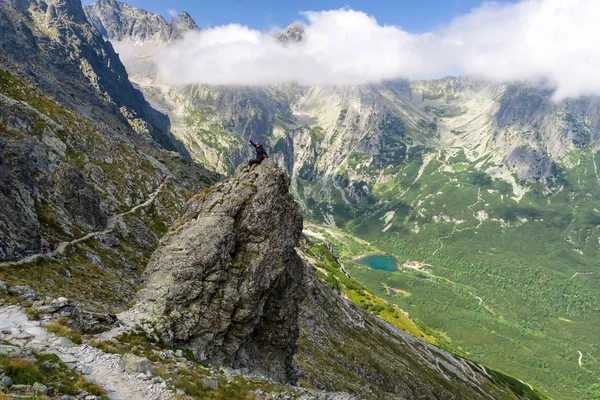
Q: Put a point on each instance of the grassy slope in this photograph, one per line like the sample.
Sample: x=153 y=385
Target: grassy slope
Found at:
x=534 y=315
x=339 y=354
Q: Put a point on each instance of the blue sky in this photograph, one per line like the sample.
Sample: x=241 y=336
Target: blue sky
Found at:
x=412 y=15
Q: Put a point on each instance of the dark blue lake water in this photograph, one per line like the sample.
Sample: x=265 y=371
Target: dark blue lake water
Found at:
x=379 y=262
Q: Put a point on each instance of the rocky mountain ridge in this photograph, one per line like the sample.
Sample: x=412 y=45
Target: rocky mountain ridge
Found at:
x=340 y=143
x=119 y=21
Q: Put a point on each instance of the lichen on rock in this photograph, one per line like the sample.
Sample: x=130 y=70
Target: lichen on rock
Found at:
x=227 y=284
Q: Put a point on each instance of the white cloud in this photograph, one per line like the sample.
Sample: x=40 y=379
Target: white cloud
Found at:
x=555 y=40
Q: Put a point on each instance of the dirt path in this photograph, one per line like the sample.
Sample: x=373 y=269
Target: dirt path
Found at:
x=580 y=358
x=98 y=367
x=582 y=273
x=62 y=246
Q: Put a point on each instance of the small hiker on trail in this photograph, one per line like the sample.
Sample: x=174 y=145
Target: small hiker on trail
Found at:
x=52 y=247
x=44 y=247
x=261 y=154
x=164 y=178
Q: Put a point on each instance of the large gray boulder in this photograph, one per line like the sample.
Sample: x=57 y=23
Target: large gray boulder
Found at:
x=227 y=283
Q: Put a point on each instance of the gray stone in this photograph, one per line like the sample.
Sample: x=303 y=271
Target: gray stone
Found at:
x=109 y=387
x=39 y=388
x=142 y=377
x=14 y=351
x=227 y=284
x=64 y=342
x=84 y=370
x=210 y=383
x=67 y=358
x=133 y=364
x=22 y=388
x=25 y=293
x=5 y=381
x=59 y=303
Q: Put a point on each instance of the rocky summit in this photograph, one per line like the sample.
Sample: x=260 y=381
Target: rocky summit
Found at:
x=227 y=283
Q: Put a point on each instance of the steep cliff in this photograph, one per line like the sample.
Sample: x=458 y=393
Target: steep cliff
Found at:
x=78 y=162
x=74 y=63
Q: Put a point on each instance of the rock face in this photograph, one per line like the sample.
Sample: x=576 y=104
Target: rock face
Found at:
x=227 y=284
x=79 y=197
x=57 y=34
x=119 y=21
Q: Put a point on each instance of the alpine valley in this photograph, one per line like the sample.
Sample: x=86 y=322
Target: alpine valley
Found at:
x=251 y=285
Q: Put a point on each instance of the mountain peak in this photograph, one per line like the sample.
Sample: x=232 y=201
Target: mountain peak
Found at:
x=71 y=9
x=293 y=33
x=181 y=24
x=119 y=21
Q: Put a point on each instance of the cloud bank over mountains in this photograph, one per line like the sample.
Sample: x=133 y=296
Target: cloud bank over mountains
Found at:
x=555 y=41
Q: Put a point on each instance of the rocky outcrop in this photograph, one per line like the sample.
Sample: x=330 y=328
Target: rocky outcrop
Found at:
x=19 y=226
x=227 y=283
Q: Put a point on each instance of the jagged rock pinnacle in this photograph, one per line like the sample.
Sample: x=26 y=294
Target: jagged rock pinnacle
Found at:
x=227 y=284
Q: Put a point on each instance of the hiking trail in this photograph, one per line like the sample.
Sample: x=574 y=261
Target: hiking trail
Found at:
x=110 y=225
x=101 y=368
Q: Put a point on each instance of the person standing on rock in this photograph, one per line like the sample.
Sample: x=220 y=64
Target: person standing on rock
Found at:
x=261 y=154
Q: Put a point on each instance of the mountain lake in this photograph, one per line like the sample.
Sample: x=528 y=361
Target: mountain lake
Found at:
x=379 y=262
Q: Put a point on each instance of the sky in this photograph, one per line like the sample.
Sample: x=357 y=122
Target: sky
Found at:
x=553 y=43
x=412 y=15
